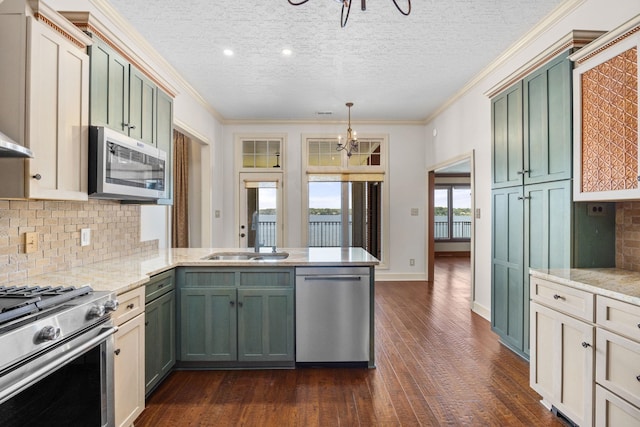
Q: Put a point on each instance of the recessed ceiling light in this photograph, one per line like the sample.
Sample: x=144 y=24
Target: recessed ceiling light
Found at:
x=228 y=52
x=286 y=52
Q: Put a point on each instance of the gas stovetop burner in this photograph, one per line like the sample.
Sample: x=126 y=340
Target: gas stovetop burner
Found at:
x=16 y=302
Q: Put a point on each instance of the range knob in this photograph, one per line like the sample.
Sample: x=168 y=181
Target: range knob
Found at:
x=111 y=305
x=96 y=311
x=49 y=333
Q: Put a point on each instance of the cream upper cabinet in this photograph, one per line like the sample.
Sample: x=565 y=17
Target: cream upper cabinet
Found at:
x=46 y=73
x=606 y=165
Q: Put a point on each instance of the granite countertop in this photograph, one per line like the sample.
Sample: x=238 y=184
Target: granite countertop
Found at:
x=123 y=274
x=616 y=283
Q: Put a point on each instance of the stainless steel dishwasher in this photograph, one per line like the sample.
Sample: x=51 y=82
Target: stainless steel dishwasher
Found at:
x=332 y=314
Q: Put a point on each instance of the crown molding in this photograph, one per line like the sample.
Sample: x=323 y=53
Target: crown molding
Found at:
x=48 y=16
x=323 y=122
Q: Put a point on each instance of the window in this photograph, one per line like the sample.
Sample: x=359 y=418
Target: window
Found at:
x=452 y=212
x=346 y=196
x=258 y=153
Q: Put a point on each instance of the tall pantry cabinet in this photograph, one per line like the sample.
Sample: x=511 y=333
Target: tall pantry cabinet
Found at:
x=534 y=221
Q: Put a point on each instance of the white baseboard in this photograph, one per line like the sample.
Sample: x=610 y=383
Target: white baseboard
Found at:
x=400 y=277
x=481 y=310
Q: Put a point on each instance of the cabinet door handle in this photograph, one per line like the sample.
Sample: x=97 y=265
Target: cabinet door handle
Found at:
x=523 y=171
x=37 y=177
x=585 y=344
x=556 y=297
x=117 y=351
x=524 y=197
x=146 y=323
x=239 y=303
x=638 y=325
x=638 y=377
x=232 y=303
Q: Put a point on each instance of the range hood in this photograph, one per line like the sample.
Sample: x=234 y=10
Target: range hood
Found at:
x=9 y=148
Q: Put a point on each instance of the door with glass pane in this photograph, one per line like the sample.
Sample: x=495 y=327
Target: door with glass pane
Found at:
x=345 y=214
x=260 y=210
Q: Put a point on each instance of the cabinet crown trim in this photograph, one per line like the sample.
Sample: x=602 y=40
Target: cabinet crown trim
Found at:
x=607 y=40
x=86 y=22
x=45 y=14
x=575 y=39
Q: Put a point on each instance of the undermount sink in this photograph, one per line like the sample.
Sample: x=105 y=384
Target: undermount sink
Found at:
x=246 y=256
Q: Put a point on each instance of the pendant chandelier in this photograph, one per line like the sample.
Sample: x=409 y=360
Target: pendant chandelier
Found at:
x=351 y=144
x=346 y=5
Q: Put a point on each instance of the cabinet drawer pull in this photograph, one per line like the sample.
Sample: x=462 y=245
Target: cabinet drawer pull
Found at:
x=160 y=286
x=232 y=303
x=146 y=323
x=556 y=296
x=524 y=197
x=638 y=325
x=130 y=306
x=239 y=303
x=117 y=351
x=638 y=378
x=586 y=344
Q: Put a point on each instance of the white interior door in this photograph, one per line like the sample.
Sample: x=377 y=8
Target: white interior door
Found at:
x=260 y=210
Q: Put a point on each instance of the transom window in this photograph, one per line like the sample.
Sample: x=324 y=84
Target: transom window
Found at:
x=261 y=153
x=323 y=153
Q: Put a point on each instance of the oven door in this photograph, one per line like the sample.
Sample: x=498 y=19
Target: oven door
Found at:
x=71 y=384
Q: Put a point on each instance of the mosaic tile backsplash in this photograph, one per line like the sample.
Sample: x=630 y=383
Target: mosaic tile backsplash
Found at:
x=115 y=232
x=628 y=235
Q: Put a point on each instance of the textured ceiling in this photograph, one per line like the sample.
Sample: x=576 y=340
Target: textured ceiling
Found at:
x=391 y=66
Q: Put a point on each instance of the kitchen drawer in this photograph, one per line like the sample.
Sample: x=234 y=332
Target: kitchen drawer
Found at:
x=618 y=365
x=159 y=285
x=566 y=299
x=273 y=277
x=619 y=317
x=190 y=277
x=611 y=411
x=131 y=304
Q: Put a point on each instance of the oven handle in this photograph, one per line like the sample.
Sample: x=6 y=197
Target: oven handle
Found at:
x=61 y=361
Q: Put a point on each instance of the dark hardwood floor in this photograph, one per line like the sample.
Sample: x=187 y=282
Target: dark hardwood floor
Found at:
x=437 y=364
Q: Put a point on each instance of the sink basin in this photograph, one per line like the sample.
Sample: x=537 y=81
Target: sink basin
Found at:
x=246 y=256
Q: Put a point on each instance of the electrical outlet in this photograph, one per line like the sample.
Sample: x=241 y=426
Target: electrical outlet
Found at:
x=30 y=242
x=85 y=237
x=217 y=213
x=478 y=213
x=412 y=262
x=596 y=209
x=414 y=211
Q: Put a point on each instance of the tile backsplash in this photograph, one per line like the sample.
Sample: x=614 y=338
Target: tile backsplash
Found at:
x=115 y=232
x=628 y=235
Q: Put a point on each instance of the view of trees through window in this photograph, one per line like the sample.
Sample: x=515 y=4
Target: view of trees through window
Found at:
x=452 y=212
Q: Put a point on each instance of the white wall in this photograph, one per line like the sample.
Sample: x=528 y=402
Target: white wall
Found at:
x=465 y=125
x=406 y=181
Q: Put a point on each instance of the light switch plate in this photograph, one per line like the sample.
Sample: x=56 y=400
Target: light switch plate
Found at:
x=30 y=242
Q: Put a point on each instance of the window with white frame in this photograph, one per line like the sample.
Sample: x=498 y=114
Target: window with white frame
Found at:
x=346 y=196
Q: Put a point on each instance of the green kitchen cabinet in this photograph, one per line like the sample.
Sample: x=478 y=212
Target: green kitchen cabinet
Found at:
x=108 y=87
x=160 y=329
x=547 y=142
x=265 y=324
x=208 y=330
x=164 y=138
x=240 y=317
x=142 y=107
x=125 y=99
x=531 y=123
x=507 y=138
x=507 y=272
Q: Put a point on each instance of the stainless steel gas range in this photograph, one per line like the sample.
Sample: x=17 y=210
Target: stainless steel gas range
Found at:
x=56 y=356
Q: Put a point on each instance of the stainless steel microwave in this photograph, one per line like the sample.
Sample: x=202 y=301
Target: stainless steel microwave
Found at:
x=122 y=168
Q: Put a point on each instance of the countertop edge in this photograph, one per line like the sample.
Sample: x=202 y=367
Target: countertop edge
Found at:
x=623 y=285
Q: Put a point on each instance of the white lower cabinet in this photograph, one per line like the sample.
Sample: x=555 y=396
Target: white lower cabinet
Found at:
x=585 y=354
x=129 y=381
x=561 y=363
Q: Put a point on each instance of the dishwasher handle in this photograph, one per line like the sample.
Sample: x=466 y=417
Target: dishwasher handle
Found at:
x=343 y=278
